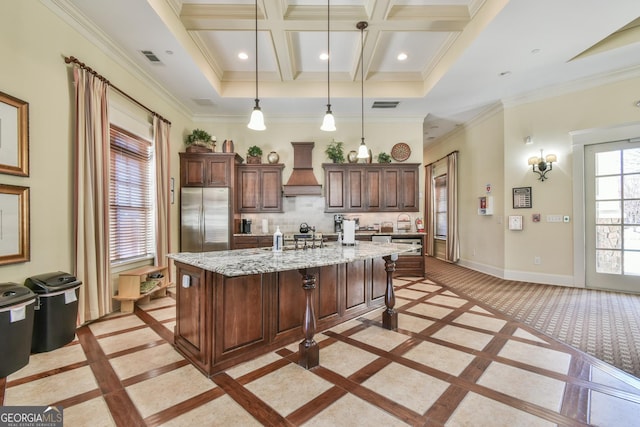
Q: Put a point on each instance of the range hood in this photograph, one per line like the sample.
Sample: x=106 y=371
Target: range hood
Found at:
x=302 y=182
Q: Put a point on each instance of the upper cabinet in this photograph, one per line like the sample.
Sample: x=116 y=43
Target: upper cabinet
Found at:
x=259 y=188
x=208 y=169
x=366 y=187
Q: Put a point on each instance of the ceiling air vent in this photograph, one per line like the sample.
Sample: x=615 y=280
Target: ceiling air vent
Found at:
x=151 y=56
x=385 y=104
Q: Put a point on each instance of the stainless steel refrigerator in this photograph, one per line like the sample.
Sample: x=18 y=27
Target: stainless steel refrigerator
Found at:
x=204 y=219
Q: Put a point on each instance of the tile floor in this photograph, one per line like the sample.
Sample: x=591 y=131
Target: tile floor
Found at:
x=452 y=362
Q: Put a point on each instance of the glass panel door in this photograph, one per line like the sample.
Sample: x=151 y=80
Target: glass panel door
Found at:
x=612 y=214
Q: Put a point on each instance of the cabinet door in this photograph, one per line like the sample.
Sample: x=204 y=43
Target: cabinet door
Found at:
x=356 y=193
x=335 y=190
x=218 y=172
x=193 y=332
x=373 y=189
x=249 y=187
x=271 y=190
x=193 y=171
x=409 y=190
x=391 y=185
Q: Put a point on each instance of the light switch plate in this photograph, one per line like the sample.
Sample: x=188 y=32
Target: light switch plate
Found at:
x=186 y=280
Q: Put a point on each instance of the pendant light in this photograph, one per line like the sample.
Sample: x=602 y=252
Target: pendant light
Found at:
x=363 y=152
x=328 y=123
x=257 y=119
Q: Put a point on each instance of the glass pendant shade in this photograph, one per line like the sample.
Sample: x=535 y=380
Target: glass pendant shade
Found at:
x=363 y=152
x=328 y=123
x=257 y=119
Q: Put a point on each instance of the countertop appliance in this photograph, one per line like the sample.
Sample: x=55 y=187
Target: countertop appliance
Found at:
x=246 y=226
x=337 y=223
x=204 y=219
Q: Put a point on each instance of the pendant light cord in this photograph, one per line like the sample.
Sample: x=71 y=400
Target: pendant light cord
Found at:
x=362 y=26
x=328 y=57
x=256 y=12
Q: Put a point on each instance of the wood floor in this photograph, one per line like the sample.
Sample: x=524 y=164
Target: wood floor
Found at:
x=452 y=362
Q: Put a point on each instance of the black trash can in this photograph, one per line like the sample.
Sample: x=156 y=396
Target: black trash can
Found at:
x=16 y=327
x=56 y=310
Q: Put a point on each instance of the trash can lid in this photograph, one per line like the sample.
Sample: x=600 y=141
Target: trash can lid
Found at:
x=14 y=294
x=51 y=282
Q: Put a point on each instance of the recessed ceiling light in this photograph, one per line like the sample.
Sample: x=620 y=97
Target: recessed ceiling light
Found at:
x=534 y=51
x=243 y=56
x=402 y=56
x=505 y=73
x=324 y=56
x=638 y=104
x=169 y=52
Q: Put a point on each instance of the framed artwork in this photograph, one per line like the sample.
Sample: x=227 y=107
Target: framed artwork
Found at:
x=521 y=197
x=14 y=136
x=14 y=224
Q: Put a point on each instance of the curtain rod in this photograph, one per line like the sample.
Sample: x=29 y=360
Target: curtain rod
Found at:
x=441 y=158
x=74 y=60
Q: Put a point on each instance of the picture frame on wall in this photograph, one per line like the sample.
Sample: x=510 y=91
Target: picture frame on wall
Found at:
x=14 y=135
x=14 y=224
x=522 y=197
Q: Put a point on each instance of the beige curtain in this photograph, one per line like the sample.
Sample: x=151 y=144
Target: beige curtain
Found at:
x=91 y=198
x=429 y=210
x=453 y=244
x=161 y=130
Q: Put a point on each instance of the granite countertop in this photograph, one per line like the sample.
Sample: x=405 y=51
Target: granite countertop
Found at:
x=334 y=234
x=241 y=262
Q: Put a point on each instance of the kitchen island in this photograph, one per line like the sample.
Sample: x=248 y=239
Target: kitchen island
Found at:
x=234 y=305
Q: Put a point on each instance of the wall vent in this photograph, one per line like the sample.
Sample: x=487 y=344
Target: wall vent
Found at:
x=151 y=56
x=385 y=104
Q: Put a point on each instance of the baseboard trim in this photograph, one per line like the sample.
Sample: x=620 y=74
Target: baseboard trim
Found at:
x=521 y=276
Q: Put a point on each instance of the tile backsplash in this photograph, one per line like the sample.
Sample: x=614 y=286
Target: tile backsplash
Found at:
x=310 y=210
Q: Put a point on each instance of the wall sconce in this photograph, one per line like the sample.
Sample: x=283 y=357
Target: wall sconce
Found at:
x=541 y=165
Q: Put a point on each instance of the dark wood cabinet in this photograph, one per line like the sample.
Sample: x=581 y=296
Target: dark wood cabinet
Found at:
x=360 y=187
x=249 y=241
x=259 y=188
x=208 y=169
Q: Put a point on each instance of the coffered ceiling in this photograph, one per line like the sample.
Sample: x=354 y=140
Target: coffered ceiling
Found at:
x=461 y=55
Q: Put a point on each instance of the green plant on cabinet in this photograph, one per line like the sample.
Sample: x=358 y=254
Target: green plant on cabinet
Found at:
x=335 y=152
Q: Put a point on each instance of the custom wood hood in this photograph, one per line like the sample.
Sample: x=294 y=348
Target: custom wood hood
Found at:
x=302 y=181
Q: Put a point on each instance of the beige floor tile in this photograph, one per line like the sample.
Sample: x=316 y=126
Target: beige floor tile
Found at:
x=114 y=325
x=430 y=310
x=253 y=364
x=348 y=324
x=464 y=337
x=520 y=383
x=51 y=389
x=42 y=362
x=478 y=309
x=425 y=287
x=158 y=302
x=409 y=294
x=449 y=299
x=115 y=343
x=630 y=384
x=610 y=411
x=348 y=409
x=411 y=389
x=158 y=393
x=344 y=359
x=478 y=411
x=144 y=360
x=223 y=411
x=546 y=358
x=483 y=322
x=413 y=323
x=163 y=314
x=288 y=388
x=171 y=326
x=379 y=337
x=94 y=413
x=439 y=357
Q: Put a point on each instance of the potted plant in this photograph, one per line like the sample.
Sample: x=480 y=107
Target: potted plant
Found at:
x=254 y=154
x=384 y=158
x=334 y=152
x=200 y=141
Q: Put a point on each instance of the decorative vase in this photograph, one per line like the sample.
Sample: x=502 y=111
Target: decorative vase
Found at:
x=227 y=146
x=273 y=157
x=352 y=157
